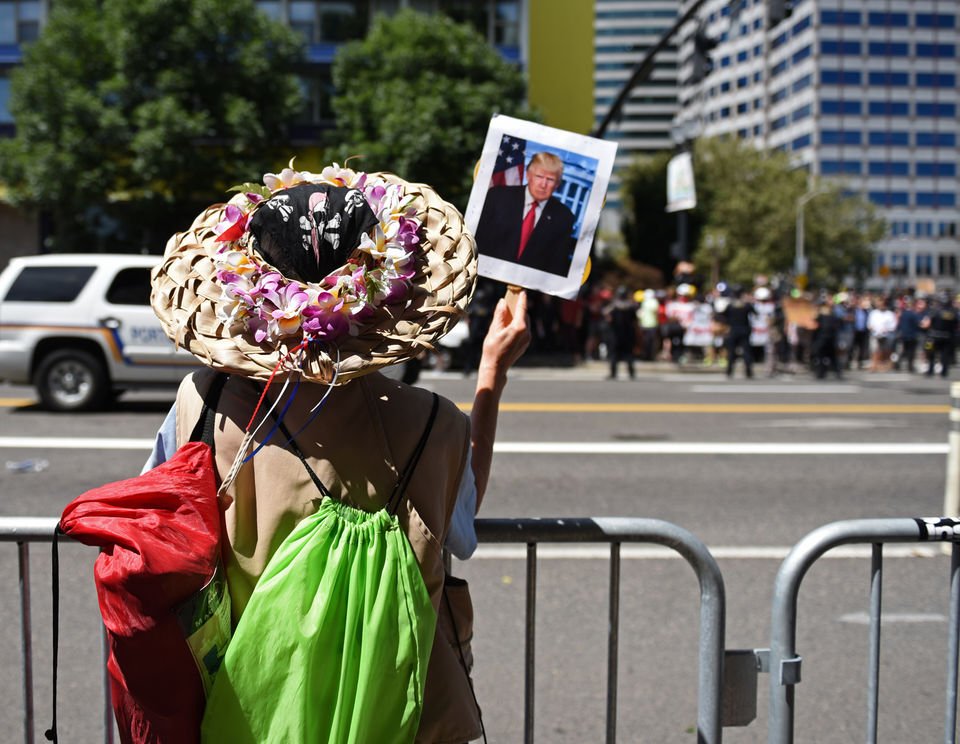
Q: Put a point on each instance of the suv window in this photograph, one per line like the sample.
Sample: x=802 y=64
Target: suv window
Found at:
x=49 y=283
x=130 y=287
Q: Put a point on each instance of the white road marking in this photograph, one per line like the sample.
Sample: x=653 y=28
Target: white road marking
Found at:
x=567 y=448
x=825 y=423
x=761 y=389
x=90 y=443
x=720 y=448
x=863 y=618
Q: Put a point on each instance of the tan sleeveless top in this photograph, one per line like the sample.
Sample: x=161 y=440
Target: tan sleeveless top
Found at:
x=358 y=444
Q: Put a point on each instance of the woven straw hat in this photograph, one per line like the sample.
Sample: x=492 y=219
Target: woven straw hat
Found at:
x=188 y=291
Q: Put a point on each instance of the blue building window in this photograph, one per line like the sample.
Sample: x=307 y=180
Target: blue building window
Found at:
x=840 y=77
x=839 y=18
x=5 y=116
x=841 y=107
x=801 y=25
x=945 y=110
x=889 y=139
x=936 y=80
x=889 y=198
x=936 y=139
x=778 y=68
x=936 y=199
x=889 y=108
x=889 y=20
x=937 y=51
x=801 y=83
x=888 y=168
x=841 y=48
x=801 y=54
x=840 y=168
x=890 y=79
x=800 y=142
x=743 y=55
x=840 y=137
x=937 y=170
x=888 y=49
x=801 y=113
x=936 y=20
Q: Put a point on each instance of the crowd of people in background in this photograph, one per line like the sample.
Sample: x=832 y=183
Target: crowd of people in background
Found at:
x=762 y=329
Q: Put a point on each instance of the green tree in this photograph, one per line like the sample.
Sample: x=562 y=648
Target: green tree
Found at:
x=416 y=96
x=748 y=197
x=648 y=229
x=746 y=216
x=132 y=114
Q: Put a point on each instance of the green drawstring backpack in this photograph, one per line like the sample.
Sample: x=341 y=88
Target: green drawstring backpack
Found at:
x=334 y=643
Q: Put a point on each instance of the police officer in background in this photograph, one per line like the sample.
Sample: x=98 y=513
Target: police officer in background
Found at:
x=823 y=345
x=736 y=316
x=941 y=328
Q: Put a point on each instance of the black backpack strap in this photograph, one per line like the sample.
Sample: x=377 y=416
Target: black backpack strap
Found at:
x=401 y=486
x=203 y=429
x=393 y=503
x=295 y=448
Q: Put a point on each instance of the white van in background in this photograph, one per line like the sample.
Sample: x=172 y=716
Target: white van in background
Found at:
x=79 y=328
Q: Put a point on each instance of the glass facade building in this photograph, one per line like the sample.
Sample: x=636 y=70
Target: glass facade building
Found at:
x=624 y=30
x=864 y=91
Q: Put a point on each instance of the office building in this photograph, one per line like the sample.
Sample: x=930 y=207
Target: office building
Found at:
x=864 y=91
x=624 y=30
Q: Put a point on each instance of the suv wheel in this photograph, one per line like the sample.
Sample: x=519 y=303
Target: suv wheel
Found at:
x=72 y=380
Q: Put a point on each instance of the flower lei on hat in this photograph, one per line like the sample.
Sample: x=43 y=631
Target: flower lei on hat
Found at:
x=273 y=307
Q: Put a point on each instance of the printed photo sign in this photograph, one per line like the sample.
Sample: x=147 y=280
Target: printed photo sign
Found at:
x=536 y=202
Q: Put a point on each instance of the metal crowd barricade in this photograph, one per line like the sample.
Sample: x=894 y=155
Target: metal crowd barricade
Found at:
x=784 y=662
x=611 y=530
x=616 y=531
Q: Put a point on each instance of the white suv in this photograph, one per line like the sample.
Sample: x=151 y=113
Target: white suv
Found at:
x=80 y=329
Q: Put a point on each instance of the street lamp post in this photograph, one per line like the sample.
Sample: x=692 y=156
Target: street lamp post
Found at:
x=800 y=259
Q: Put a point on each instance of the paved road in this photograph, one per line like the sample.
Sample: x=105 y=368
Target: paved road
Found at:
x=749 y=467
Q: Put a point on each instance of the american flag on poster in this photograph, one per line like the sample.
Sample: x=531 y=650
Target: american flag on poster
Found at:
x=508 y=170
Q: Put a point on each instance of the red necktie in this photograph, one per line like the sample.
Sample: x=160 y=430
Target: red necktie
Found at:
x=527 y=228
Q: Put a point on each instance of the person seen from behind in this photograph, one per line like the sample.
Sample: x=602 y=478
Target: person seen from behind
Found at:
x=301 y=292
x=941 y=328
x=736 y=316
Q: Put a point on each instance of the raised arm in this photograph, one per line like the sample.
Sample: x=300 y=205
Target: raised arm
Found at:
x=504 y=344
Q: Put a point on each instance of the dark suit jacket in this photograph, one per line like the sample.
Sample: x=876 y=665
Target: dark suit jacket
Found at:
x=551 y=244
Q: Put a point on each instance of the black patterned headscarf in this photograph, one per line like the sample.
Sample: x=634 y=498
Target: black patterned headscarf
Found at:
x=309 y=230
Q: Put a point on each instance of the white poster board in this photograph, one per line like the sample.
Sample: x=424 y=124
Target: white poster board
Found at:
x=567 y=219
x=681 y=191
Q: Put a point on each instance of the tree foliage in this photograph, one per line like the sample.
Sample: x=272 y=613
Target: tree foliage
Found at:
x=131 y=114
x=416 y=96
x=746 y=216
x=648 y=229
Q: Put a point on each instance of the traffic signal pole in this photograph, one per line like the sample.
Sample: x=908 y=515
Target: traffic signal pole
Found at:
x=643 y=69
